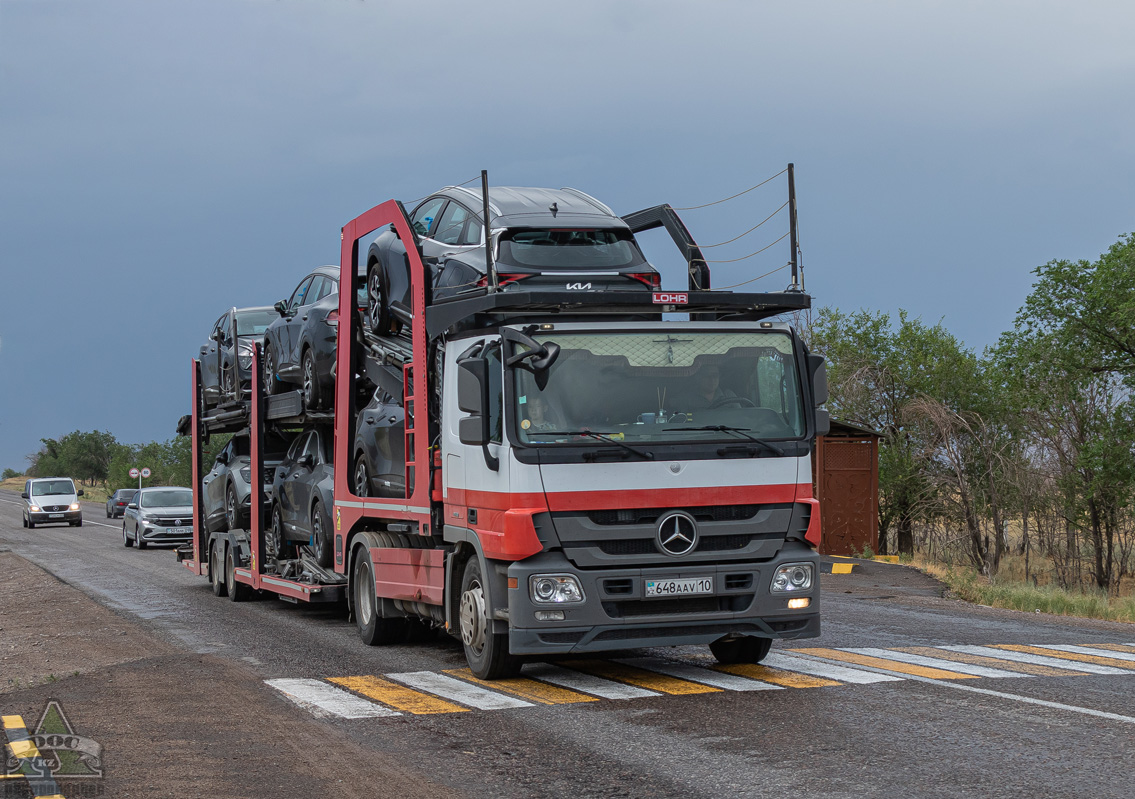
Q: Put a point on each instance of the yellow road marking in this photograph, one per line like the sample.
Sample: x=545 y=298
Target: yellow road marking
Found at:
x=889 y=665
x=1059 y=653
x=398 y=696
x=842 y=568
x=1113 y=647
x=788 y=679
x=652 y=681
x=532 y=690
x=13 y=722
x=24 y=749
x=11 y=776
x=981 y=660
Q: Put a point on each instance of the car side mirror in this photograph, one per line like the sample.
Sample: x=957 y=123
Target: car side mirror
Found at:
x=24 y=494
x=222 y=458
x=281 y=307
x=79 y=493
x=307 y=460
x=133 y=506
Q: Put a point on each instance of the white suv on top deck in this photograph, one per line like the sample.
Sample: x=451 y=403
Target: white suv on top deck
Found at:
x=51 y=500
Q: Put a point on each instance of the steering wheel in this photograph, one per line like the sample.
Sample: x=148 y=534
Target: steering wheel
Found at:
x=740 y=402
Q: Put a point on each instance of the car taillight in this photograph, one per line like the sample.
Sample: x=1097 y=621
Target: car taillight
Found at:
x=505 y=279
x=333 y=318
x=652 y=280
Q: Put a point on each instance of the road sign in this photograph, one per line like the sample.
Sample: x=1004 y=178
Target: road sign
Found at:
x=146 y=472
x=133 y=472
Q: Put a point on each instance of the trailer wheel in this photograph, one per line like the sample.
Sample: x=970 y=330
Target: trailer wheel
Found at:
x=126 y=542
x=217 y=571
x=486 y=652
x=238 y=592
x=321 y=535
x=374 y=629
x=312 y=391
x=744 y=649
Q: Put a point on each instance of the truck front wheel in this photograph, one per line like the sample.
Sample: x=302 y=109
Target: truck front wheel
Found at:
x=374 y=629
x=486 y=651
x=743 y=649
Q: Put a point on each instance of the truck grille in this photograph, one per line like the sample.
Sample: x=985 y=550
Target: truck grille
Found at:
x=714 y=513
x=54 y=508
x=647 y=546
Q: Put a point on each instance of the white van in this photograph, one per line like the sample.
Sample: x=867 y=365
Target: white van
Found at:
x=51 y=500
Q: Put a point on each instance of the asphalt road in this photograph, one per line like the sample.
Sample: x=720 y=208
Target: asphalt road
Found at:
x=1060 y=725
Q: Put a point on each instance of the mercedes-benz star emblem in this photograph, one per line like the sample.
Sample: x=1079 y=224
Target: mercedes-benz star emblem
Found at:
x=677 y=533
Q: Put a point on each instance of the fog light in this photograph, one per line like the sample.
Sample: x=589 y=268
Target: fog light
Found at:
x=792 y=577
x=549 y=615
x=554 y=588
x=799 y=603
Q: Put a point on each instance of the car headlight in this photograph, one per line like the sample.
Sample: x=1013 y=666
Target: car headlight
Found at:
x=554 y=589
x=792 y=577
x=74 y=506
x=245 y=360
x=34 y=508
x=246 y=474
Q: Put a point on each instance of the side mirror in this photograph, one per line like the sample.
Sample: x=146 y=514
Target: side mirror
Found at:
x=222 y=458
x=79 y=493
x=472 y=383
x=819 y=369
x=823 y=422
x=306 y=460
x=24 y=494
x=132 y=506
x=281 y=307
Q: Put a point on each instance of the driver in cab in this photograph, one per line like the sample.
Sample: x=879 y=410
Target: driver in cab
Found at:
x=707 y=388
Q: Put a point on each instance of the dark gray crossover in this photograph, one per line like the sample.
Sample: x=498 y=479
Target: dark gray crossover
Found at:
x=302 y=496
x=226 y=358
x=226 y=490
x=549 y=237
x=380 y=449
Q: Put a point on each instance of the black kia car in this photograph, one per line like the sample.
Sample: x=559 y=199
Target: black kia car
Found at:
x=551 y=237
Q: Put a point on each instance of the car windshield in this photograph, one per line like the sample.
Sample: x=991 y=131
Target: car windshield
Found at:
x=667 y=387
x=52 y=488
x=570 y=249
x=167 y=498
x=254 y=323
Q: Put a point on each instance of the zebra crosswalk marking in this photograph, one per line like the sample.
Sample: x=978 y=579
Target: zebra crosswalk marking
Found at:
x=1088 y=650
x=934 y=662
x=397 y=696
x=650 y=680
x=586 y=683
x=1026 y=657
x=1024 y=669
x=819 y=668
x=1116 y=647
x=887 y=664
x=1061 y=655
x=530 y=690
x=458 y=691
x=786 y=679
x=684 y=671
x=318 y=695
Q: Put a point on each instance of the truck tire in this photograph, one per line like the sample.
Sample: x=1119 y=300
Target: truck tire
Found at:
x=238 y=592
x=374 y=628
x=486 y=652
x=217 y=570
x=322 y=535
x=743 y=649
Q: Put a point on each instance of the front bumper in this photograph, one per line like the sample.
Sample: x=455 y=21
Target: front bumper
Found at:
x=56 y=517
x=152 y=534
x=616 y=614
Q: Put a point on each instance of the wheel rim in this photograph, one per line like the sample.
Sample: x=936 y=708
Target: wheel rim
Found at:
x=473 y=620
x=317 y=529
x=374 y=294
x=364 y=595
x=269 y=370
x=230 y=573
x=308 y=380
x=216 y=566
x=273 y=541
x=230 y=508
x=362 y=483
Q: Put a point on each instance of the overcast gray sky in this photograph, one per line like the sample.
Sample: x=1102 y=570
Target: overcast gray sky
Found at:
x=162 y=160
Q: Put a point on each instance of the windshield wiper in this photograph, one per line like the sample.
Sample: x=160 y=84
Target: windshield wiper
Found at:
x=741 y=431
x=641 y=453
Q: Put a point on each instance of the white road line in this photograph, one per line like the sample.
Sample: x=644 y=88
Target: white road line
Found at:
x=685 y=671
x=315 y=696
x=935 y=663
x=1039 y=660
x=457 y=690
x=1087 y=650
x=586 y=683
x=818 y=668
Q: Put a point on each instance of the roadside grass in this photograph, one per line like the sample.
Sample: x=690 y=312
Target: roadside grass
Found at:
x=968 y=585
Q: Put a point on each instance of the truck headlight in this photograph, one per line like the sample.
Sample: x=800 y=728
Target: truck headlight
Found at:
x=34 y=508
x=74 y=506
x=549 y=589
x=792 y=577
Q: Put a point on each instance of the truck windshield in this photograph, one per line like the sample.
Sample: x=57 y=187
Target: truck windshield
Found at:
x=52 y=488
x=665 y=387
x=570 y=249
